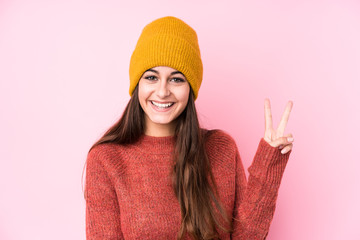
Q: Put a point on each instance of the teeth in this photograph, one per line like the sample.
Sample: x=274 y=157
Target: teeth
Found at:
x=162 y=105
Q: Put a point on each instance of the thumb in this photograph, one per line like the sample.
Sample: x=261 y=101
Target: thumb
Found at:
x=283 y=141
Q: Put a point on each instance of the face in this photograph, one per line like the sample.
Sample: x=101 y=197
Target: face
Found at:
x=163 y=95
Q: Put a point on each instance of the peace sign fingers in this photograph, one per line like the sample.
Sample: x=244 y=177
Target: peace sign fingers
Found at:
x=284 y=119
x=276 y=137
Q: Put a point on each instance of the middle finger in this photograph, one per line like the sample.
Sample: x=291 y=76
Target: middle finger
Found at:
x=284 y=118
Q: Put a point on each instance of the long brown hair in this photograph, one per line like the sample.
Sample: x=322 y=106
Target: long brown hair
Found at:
x=193 y=181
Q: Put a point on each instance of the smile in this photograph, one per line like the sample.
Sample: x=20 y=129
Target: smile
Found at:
x=162 y=105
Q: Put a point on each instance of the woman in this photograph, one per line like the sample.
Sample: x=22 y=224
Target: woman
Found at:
x=156 y=174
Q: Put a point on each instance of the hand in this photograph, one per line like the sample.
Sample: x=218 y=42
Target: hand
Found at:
x=276 y=137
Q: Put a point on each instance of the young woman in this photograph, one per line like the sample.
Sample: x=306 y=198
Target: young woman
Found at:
x=156 y=174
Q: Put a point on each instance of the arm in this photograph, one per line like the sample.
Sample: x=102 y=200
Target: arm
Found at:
x=102 y=208
x=256 y=199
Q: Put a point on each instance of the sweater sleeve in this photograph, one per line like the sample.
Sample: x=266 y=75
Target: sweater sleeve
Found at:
x=102 y=208
x=256 y=198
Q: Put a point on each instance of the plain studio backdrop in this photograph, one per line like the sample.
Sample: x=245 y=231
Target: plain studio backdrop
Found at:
x=64 y=81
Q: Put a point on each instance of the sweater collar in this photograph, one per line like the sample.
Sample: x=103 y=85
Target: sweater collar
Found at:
x=156 y=145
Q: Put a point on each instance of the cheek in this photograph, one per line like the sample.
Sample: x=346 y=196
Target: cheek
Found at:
x=182 y=95
x=142 y=92
x=142 y=98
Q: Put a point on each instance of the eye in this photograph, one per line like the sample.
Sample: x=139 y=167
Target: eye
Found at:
x=178 y=80
x=150 y=77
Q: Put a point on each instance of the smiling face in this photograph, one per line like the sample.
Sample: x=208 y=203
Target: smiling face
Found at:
x=163 y=95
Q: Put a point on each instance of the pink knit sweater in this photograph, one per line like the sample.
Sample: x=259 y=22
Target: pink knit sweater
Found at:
x=129 y=195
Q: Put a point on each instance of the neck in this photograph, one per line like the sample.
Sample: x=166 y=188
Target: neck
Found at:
x=160 y=130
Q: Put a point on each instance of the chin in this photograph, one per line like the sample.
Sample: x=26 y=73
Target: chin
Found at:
x=163 y=122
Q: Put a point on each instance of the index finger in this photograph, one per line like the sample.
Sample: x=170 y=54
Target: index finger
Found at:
x=284 y=118
x=267 y=112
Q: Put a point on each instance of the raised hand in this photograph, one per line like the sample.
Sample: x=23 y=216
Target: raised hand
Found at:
x=276 y=138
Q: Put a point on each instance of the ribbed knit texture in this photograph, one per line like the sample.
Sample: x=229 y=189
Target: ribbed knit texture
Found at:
x=129 y=194
x=170 y=42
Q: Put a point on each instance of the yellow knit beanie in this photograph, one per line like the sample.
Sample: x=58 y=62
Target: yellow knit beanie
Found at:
x=167 y=41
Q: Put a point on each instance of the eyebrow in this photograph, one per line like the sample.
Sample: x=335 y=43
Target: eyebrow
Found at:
x=153 y=70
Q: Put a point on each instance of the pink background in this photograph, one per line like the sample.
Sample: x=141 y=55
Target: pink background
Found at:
x=64 y=82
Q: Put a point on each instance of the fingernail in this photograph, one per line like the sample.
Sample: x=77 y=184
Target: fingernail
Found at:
x=283 y=151
x=290 y=139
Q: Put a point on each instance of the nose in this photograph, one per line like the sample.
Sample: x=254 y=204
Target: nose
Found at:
x=163 y=89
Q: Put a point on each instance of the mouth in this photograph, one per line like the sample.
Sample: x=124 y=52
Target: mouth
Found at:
x=162 y=105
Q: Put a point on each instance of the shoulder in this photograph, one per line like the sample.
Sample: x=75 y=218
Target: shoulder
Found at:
x=103 y=154
x=102 y=149
x=219 y=139
x=222 y=151
x=219 y=136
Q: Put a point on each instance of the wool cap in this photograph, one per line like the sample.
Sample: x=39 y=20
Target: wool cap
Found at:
x=167 y=41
